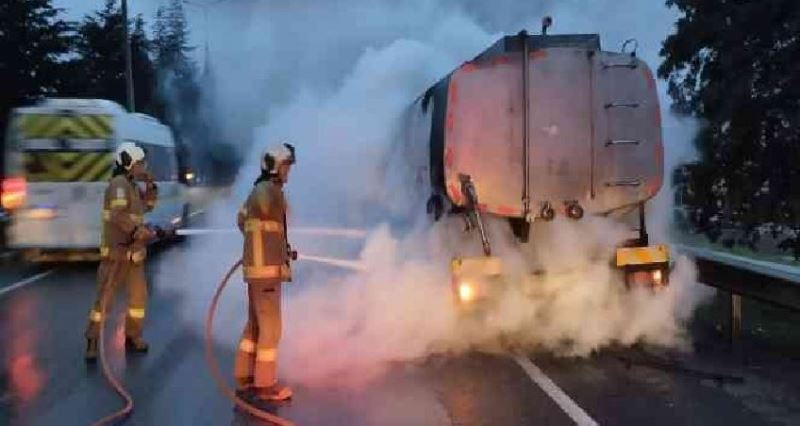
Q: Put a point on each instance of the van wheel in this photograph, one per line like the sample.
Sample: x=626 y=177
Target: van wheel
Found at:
x=184 y=223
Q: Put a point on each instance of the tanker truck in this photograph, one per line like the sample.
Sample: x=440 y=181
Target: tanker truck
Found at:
x=535 y=127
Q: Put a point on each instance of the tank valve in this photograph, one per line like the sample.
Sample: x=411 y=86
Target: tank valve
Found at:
x=547 y=213
x=574 y=210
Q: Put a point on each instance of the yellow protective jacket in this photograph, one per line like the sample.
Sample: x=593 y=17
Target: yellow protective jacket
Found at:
x=124 y=206
x=262 y=219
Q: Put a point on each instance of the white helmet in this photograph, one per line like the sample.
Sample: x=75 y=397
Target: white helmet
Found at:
x=276 y=155
x=128 y=154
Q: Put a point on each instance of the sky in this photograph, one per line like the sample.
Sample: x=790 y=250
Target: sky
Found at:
x=75 y=9
x=647 y=20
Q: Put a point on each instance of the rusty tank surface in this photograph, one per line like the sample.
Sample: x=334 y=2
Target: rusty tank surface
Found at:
x=538 y=126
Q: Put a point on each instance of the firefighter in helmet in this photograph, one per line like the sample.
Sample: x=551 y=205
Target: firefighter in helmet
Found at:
x=123 y=246
x=266 y=256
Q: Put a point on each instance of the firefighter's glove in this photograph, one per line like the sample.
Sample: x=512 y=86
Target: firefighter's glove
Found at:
x=161 y=233
x=146 y=177
x=144 y=233
x=166 y=234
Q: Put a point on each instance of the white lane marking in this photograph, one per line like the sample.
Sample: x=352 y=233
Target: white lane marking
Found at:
x=573 y=410
x=25 y=282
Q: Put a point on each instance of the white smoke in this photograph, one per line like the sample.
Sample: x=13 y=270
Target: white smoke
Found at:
x=333 y=80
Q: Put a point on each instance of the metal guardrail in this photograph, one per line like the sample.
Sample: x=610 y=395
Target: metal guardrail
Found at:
x=768 y=282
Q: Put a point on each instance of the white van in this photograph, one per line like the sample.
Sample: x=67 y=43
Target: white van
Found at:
x=59 y=159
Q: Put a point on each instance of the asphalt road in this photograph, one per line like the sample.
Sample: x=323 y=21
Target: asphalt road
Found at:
x=44 y=380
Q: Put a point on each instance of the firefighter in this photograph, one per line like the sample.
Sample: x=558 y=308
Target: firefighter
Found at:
x=123 y=246
x=266 y=256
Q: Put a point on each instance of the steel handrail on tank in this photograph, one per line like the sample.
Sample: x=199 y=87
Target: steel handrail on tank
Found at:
x=526 y=138
x=631 y=65
x=622 y=105
x=635 y=46
x=625 y=182
x=468 y=188
x=612 y=142
x=592 y=125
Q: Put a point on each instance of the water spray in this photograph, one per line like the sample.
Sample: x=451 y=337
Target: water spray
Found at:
x=320 y=232
x=332 y=261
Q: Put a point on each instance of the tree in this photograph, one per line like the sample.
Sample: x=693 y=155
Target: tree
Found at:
x=176 y=72
x=178 y=85
x=145 y=81
x=736 y=65
x=172 y=41
x=99 y=69
x=33 y=41
x=100 y=56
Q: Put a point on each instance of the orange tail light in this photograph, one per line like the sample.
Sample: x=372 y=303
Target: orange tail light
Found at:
x=13 y=193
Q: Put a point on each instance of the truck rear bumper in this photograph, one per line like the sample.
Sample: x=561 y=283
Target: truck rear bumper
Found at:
x=476 y=281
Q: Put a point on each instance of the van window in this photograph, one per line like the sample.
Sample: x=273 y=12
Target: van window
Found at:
x=162 y=162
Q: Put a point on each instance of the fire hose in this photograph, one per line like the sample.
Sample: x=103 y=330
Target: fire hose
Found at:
x=211 y=360
x=116 y=268
x=213 y=365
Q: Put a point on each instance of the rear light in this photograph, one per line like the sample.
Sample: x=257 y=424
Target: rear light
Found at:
x=13 y=193
x=466 y=292
x=658 y=277
x=653 y=279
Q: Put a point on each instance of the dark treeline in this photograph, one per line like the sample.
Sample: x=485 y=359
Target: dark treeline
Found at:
x=736 y=66
x=44 y=55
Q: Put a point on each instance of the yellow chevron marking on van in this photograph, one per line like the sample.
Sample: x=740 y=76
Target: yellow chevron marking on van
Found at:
x=67 y=166
x=53 y=126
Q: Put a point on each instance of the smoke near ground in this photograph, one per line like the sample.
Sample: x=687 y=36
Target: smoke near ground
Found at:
x=333 y=78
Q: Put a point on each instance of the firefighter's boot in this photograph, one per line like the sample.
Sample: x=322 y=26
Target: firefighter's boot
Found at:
x=274 y=393
x=91 y=350
x=244 y=383
x=136 y=345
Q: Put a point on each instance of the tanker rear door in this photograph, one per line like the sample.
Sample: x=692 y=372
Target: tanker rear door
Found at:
x=560 y=128
x=483 y=134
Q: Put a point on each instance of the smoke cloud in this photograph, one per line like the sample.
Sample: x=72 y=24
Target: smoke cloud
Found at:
x=333 y=79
